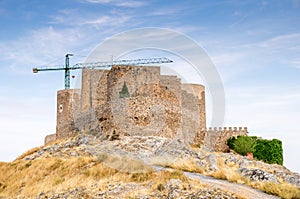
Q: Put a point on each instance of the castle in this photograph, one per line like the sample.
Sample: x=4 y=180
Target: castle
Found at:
x=137 y=100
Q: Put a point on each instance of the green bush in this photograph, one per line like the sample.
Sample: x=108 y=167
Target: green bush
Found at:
x=244 y=144
x=269 y=151
x=230 y=142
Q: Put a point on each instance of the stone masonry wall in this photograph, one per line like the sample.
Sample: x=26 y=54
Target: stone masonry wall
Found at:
x=199 y=92
x=215 y=139
x=135 y=100
x=153 y=106
x=65 y=114
x=91 y=80
x=131 y=100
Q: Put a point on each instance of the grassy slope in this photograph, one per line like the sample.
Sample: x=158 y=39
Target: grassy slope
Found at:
x=30 y=178
x=21 y=177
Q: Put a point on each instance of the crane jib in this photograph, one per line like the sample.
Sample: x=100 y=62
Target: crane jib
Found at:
x=102 y=65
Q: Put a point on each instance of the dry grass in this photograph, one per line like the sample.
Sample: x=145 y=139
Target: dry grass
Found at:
x=283 y=190
x=36 y=149
x=159 y=181
x=231 y=176
x=29 y=178
x=164 y=176
x=180 y=164
x=29 y=152
x=228 y=173
x=124 y=164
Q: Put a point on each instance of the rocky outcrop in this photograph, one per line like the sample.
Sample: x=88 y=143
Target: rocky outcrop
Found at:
x=260 y=171
x=146 y=148
x=258 y=175
x=173 y=189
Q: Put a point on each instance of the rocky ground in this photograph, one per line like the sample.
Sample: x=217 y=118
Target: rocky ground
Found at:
x=147 y=148
x=151 y=150
x=173 y=189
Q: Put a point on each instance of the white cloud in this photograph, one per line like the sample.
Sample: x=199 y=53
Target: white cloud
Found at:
x=90 y=23
x=226 y=58
x=166 y=11
x=39 y=47
x=234 y=60
x=120 y=3
x=186 y=28
x=170 y=10
x=279 y=43
x=98 y=1
x=102 y=21
x=66 y=17
x=287 y=41
x=131 y=4
x=296 y=63
x=99 y=21
x=71 y=18
x=232 y=63
x=241 y=18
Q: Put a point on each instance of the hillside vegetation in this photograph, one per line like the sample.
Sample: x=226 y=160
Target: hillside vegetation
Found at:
x=86 y=167
x=87 y=178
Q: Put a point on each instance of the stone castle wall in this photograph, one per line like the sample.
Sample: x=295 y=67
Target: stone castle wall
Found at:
x=136 y=100
x=215 y=139
x=131 y=100
x=64 y=113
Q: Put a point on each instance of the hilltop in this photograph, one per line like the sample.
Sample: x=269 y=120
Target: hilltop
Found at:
x=86 y=166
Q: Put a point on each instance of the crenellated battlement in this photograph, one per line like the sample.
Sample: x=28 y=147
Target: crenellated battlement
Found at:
x=225 y=129
x=215 y=138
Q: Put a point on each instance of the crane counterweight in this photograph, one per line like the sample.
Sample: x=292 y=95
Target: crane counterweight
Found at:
x=35 y=70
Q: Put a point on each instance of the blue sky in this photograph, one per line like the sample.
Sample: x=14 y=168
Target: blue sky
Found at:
x=255 y=46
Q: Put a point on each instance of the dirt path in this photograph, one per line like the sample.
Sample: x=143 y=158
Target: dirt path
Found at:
x=238 y=189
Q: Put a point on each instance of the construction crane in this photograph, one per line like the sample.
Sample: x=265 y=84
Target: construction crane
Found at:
x=103 y=65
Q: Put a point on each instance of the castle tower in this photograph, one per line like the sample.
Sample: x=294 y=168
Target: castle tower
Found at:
x=132 y=100
x=64 y=114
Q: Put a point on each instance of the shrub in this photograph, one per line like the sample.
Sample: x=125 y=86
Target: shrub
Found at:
x=230 y=142
x=269 y=151
x=244 y=144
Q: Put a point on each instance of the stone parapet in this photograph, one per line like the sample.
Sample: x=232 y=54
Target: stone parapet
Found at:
x=215 y=138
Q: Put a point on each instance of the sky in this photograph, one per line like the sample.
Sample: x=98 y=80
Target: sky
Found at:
x=254 y=45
